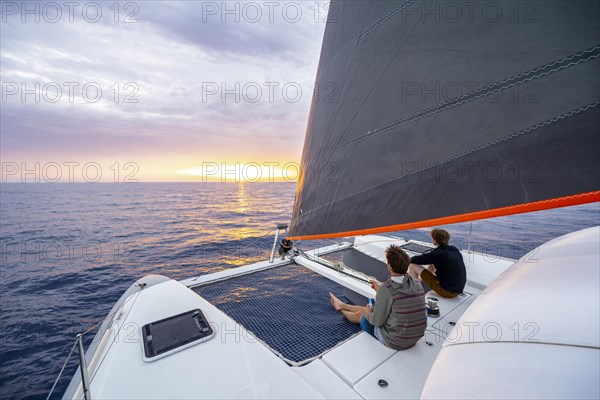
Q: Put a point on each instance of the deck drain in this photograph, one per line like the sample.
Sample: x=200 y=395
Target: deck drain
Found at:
x=382 y=383
x=452 y=323
x=427 y=343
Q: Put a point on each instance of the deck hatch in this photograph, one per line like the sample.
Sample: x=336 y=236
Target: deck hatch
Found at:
x=173 y=333
x=416 y=247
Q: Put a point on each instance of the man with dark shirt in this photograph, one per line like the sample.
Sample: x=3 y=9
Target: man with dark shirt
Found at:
x=445 y=273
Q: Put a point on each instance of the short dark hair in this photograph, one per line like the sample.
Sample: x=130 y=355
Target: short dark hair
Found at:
x=397 y=259
x=441 y=236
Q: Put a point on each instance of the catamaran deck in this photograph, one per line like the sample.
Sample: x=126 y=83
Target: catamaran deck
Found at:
x=245 y=359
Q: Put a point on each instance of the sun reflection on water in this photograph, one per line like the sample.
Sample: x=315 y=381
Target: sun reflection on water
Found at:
x=242 y=199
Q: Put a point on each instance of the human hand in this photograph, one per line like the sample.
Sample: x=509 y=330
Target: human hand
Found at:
x=374 y=284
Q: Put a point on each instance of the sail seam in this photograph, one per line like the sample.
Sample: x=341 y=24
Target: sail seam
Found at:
x=377 y=23
x=479 y=148
x=475 y=95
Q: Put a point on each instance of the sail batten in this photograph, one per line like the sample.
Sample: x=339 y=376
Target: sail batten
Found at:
x=520 y=132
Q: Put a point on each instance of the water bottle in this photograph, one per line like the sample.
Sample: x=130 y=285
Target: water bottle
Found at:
x=371 y=303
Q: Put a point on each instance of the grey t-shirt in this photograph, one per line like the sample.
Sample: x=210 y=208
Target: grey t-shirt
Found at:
x=378 y=332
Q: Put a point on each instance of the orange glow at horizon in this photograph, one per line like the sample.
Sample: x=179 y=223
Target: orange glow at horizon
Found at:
x=268 y=171
x=158 y=168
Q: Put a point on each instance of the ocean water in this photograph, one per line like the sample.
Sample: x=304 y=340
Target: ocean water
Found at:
x=68 y=252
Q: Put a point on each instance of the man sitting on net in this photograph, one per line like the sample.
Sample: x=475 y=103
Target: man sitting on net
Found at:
x=397 y=318
x=445 y=273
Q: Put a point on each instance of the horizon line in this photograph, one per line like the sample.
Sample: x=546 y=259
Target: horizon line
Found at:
x=129 y=183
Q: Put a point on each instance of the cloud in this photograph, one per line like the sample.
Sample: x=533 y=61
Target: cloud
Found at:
x=170 y=82
x=277 y=29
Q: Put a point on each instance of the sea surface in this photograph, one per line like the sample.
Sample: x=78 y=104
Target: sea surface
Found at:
x=69 y=250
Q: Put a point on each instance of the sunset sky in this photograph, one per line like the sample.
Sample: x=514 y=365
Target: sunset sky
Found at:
x=156 y=91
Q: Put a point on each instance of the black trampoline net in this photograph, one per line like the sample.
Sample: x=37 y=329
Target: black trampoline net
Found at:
x=286 y=307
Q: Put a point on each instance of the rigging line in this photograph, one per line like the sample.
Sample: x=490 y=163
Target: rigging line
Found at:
x=338 y=267
x=100 y=362
x=109 y=317
x=257 y=239
x=94 y=326
x=62 y=370
x=507 y=83
x=333 y=242
x=479 y=148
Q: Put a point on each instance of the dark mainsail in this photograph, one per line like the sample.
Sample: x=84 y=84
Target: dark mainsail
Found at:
x=439 y=112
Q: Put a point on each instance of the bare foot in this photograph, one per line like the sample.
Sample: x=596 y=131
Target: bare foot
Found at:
x=335 y=302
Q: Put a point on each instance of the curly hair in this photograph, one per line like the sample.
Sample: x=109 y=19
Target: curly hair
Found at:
x=397 y=259
x=441 y=236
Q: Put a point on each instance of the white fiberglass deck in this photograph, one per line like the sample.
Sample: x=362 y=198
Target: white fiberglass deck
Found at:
x=236 y=364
